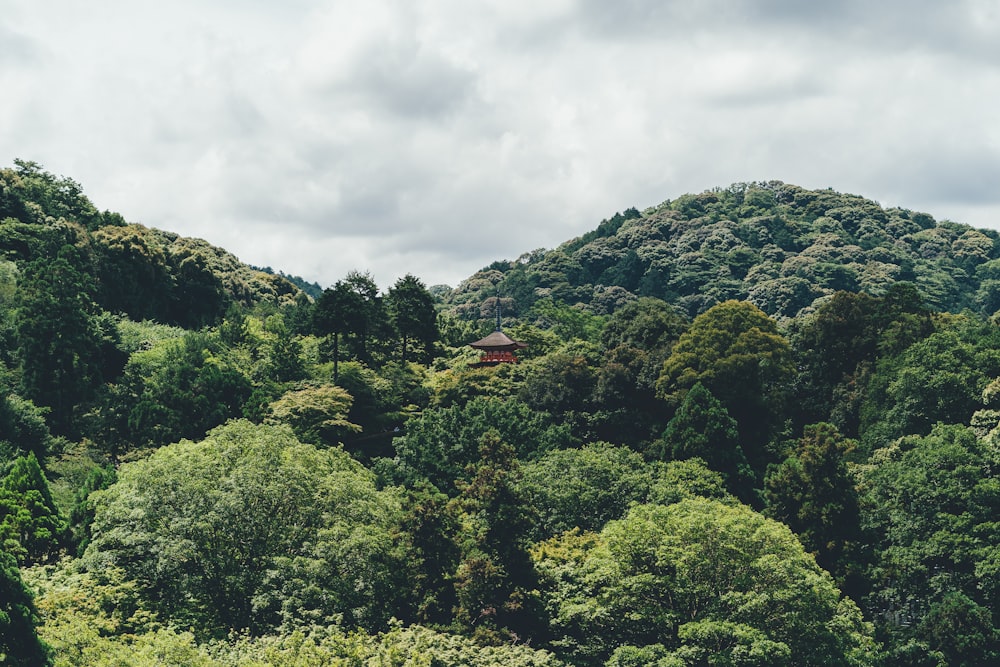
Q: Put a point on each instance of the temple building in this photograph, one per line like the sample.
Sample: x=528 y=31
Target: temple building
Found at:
x=498 y=347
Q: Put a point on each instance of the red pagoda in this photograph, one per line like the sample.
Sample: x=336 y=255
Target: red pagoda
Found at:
x=498 y=347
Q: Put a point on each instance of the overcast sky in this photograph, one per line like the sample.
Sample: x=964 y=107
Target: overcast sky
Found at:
x=433 y=137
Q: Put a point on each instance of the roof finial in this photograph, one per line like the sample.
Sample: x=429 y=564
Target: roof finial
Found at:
x=498 y=309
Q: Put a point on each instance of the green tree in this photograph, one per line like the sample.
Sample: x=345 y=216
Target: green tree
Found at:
x=59 y=341
x=428 y=532
x=316 y=413
x=697 y=582
x=559 y=383
x=813 y=493
x=372 y=320
x=937 y=379
x=738 y=354
x=702 y=428
x=646 y=324
x=199 y=297
x=132 y=272
x=23 y=428
x=19 y=643
x=30 y=525
x=439 y=444
x=495 y=574
x=337 y=312
x=284 y=354
x=249 y=529
x=839 y=344
x=583 y=488
x=178 y=389
x=412 y=315
x=930 y=501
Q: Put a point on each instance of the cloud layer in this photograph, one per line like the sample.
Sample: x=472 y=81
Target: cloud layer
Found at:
x=434 y=137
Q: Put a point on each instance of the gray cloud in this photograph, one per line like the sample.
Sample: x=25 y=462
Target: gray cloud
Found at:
x=435 y=137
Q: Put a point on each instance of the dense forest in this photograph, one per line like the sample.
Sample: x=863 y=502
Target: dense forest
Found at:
x=754 y=426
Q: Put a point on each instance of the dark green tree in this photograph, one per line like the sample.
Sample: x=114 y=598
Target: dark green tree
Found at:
x=939 y=378
x=441 y=443
x=58 y=337
x=428 y=532
x=413 y=317
x=284 y=354
x=338 y=311
x=180 y=389
x=646 y=324
x=738 y=354
x=813 y=493
x=19 y=643
x=839 y=344
x=495 y=575
x=930 y=502
x=372 y=320
x=132 y=273
x=199 y=297
x=702 y=428
x=22 y=428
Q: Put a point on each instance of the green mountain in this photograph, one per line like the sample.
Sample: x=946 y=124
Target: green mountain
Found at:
x=779 y=246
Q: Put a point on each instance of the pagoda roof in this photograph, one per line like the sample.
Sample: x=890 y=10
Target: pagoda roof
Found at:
x=498 y=340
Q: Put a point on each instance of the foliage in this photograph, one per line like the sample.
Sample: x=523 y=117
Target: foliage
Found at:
x=23 y=428
x=583 y=488
x=931 y=502
x=813 y=493
x=782 y=247
x=247 y=529
x=837 y=346
x=177 y=389
x=316 y=413
x=60 y=341
x=31 y=528
x=495 y=573
x=738 y=354
x=702 y=428
x=19 y=643
x=690 y=478
x=412 y=315
x=710 y=583
x=441 y=443
x=937 y=379
x=250 y=547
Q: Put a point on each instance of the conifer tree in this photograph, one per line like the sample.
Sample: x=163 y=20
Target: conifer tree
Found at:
x=702 y=428
x=19 y=643
x=30 y=525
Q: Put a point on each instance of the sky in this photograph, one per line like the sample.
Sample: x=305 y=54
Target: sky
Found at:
x=433 y=137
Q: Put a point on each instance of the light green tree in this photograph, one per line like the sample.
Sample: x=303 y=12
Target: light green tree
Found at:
x=249 y=528
x=697 y=583
x=316 y=413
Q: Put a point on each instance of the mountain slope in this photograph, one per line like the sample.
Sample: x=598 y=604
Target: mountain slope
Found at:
x=780 y=246
x=142 y=272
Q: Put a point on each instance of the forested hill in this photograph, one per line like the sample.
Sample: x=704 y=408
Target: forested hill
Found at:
x=779 y=246
x=144 y=273
x=202 y=466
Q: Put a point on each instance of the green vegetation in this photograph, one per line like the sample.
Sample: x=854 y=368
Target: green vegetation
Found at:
x=755 y=426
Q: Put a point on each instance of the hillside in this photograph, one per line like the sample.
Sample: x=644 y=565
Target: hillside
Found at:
x=779 y=246
x=146 y=274
x=757 y=426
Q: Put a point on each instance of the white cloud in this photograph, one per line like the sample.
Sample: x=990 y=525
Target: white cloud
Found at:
x=434 y=137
